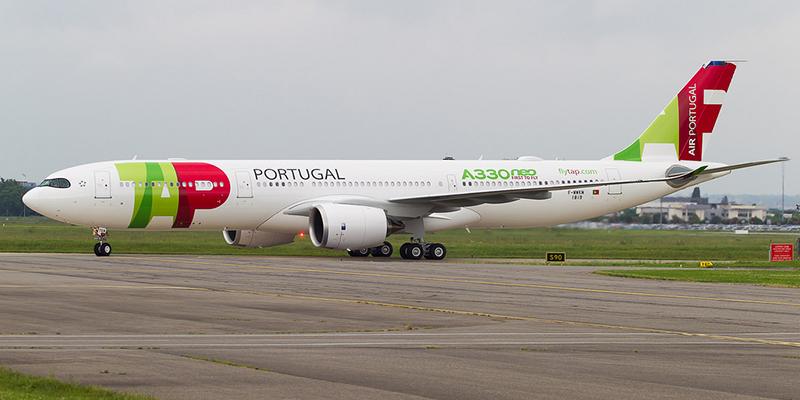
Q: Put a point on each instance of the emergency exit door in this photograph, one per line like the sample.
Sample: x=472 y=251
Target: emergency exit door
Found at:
x=102 y=185
x=244 y=189
x=613 y=175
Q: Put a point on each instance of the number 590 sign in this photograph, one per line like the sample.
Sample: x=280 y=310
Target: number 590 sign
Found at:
x=556 y=257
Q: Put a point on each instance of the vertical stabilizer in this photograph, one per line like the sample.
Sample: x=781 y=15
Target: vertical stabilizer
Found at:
x=687 y=119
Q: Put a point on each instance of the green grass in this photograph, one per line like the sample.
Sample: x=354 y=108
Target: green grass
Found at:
x=786 y=278
x=18 y=386
x=40 y=234
x=603 y=247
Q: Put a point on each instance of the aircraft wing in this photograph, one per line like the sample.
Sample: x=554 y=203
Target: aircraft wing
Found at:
x=505 y=195
x=453 y=200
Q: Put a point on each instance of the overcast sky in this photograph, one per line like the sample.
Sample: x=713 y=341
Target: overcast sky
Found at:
x=86 y=81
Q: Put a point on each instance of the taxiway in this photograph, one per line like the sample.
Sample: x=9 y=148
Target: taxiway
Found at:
x=189 y=327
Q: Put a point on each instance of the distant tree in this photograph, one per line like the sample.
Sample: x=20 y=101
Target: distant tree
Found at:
x=11 y=198
x=716 y=219
x=676 y=220
x=628 y=216
x=724 y=200
x=756 y=221
x=774 y=216
x=694 y=219
x=696 y=192
x=646 y=218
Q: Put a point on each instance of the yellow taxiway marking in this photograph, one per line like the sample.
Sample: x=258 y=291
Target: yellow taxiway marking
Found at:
x=518 y=318
x=672 y=296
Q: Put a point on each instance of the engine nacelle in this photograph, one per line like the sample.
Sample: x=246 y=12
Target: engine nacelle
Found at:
x=257 y=238
x=347 y=227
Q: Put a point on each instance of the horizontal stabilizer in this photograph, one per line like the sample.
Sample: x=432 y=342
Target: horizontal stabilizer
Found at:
x=742 y=165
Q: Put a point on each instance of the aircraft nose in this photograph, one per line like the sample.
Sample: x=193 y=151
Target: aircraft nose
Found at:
x=34 y=200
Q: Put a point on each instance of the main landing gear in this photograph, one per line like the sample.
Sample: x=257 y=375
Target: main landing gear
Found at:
x=409 y=251
x=415 y=251
x=101 y=248
x=384 y=250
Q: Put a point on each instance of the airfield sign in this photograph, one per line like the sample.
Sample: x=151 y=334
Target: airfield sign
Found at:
x=781 y=252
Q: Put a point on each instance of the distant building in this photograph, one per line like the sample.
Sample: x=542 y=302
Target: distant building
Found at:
x=683 y=210
x=28 y=185
x=695 y=200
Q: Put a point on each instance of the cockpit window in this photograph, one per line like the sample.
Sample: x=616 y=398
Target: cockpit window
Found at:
x=56 y=183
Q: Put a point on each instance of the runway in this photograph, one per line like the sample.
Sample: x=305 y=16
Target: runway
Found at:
x=189 y=327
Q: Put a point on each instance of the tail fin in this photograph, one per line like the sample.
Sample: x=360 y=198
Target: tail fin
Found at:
x=679 y=130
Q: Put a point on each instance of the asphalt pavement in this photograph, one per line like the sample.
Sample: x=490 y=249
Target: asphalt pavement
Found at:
x=189 y=327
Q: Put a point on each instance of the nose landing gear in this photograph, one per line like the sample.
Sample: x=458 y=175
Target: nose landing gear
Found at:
x=102 y=248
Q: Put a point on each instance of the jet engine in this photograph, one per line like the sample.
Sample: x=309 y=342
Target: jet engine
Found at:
x=347 y=227
x=257 y=238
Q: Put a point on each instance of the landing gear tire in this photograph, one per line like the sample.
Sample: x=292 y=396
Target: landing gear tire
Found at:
x=404 y=250
x=436 y=251
x=358 y=253
x=384 y=250
x=102 y=249
x=413 y=251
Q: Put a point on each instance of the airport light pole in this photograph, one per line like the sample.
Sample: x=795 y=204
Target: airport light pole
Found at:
x=20 y=199
x=783 y=180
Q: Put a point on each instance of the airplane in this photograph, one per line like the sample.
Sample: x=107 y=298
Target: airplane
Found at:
x=354 y=205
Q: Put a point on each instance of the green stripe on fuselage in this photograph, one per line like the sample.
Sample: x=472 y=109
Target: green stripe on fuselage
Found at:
x=155 y=199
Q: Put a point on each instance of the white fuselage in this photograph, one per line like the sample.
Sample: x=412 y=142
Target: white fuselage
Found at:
x=260 y=195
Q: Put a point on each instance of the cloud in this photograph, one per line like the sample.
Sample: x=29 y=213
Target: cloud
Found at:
x=365 y=79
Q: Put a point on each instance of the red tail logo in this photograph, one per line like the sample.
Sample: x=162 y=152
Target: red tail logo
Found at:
x=699 y=104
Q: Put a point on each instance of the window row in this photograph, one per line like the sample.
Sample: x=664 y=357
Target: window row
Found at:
x=199 y=184
x=525 y=183
x=349 y=184
x=375 y=184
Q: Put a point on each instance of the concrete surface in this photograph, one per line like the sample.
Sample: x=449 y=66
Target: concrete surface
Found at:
x=325 y=328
